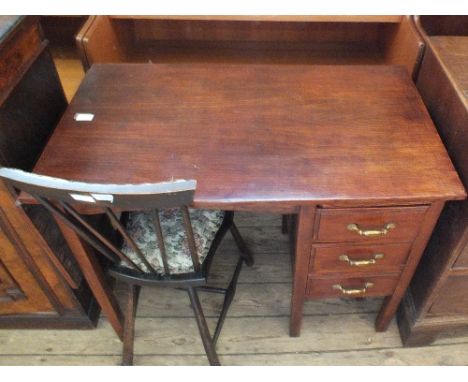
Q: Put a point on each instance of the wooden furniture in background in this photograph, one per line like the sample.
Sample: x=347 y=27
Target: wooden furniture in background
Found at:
x=60 y=31
x=37 y=272
x=267 y=146
x=252 y=39
x=437 y=301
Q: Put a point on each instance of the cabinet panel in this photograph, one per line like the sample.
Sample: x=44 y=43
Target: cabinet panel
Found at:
x=452 y=298
x=462 y=260
x=15 y=274
x=459 y=225
x=28 y=116
x=9 y=289
x=17 y=54
x=437 y=299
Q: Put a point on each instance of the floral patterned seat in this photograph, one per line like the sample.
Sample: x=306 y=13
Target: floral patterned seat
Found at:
x=140 y=226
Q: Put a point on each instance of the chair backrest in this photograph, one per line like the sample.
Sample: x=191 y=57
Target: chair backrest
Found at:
x=61 y=196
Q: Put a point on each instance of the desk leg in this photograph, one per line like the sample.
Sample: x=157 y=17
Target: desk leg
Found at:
x=305 y=229
x=95 y=277
x=390 y=305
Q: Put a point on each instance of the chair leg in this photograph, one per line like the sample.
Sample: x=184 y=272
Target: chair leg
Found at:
x=229 y=296
x=129 y=324
x=203 y=328
x=245 y=252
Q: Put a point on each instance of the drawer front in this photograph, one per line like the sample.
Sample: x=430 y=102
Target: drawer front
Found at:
x=372 y=286
x=369 y=224
x=363 y=258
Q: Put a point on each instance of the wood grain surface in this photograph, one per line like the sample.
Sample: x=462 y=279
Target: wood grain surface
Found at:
x=253 y=134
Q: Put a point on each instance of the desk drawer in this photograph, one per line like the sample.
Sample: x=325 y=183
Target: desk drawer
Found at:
x=371 y=286
x=363 y=258
x=369 y=224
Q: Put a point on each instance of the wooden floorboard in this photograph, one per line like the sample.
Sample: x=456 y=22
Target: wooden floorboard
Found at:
x=439 y=355
x=69 y=69
x=335 y=331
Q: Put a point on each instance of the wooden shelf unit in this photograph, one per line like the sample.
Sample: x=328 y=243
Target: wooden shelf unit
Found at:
x=252 y=39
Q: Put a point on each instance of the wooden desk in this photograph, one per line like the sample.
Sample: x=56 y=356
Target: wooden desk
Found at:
x=335 y=145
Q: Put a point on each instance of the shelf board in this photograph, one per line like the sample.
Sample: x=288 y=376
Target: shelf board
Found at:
x=281 y=18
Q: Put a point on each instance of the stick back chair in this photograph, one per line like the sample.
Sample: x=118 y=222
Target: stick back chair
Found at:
x=157 y=240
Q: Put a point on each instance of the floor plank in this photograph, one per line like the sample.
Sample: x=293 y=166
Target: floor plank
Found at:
x=252 y=300
x=371 y=349
x=438 y=355
x=69 y=69
x=241 y=335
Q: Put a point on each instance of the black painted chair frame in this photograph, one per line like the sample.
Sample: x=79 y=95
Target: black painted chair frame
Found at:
x=61 y=197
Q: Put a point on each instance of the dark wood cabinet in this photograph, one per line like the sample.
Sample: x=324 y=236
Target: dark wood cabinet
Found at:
x=437 y=302
x=40 y=286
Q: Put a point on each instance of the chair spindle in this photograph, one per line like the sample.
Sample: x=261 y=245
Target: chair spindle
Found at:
x=105 y=241
x=160 y=238
x=190 y=238
x=116 y=221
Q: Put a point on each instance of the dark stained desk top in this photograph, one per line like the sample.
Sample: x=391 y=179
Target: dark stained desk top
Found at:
x=256 y=134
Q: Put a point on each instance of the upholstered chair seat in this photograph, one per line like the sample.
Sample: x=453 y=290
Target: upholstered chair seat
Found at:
x=140 y=226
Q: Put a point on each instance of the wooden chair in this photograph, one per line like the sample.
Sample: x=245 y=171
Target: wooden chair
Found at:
x=156 y=240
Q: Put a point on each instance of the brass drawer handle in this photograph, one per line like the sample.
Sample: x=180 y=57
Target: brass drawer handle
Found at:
x=363 y=262
x=350 y=292
x=371 y=232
